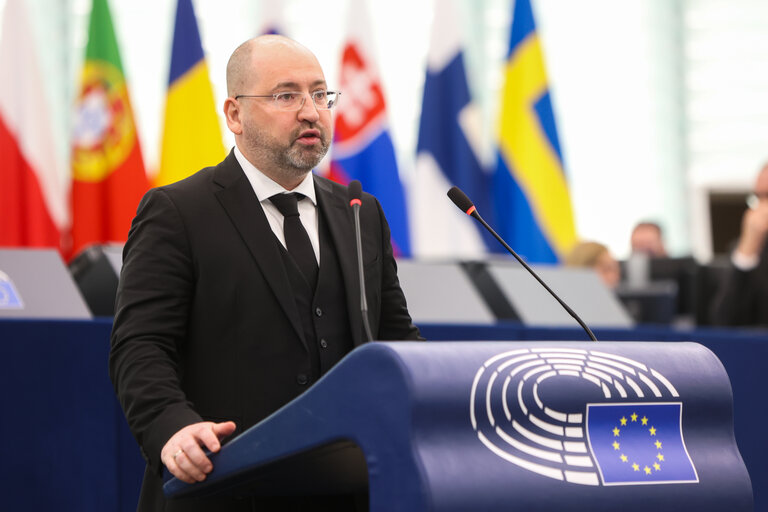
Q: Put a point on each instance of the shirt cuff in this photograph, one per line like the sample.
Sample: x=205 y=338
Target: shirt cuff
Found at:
x=743 y=262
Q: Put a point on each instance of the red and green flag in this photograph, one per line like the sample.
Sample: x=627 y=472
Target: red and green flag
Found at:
x=108 y=176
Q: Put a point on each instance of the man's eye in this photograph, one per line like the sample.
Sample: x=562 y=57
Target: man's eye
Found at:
x=320 y=95
x=286 y=97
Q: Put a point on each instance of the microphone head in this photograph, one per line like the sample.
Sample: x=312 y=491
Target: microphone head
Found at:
x=461 y=200
x=355 y=192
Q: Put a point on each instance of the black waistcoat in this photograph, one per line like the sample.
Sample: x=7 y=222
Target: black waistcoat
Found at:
x=324 y=317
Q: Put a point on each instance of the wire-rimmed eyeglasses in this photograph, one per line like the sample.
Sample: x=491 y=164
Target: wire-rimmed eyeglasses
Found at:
x=294 y=100
x=754 y=199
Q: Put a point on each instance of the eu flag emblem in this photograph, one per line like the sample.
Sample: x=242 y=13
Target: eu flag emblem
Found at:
x=9 y=297
x=639 y=443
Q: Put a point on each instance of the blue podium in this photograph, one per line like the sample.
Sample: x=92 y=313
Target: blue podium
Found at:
x=491 y=426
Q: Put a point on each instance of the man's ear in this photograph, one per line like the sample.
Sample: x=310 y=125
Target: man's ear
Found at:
x=232 y=114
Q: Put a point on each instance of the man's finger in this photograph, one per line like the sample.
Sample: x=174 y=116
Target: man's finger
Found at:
x=211 y=437
x=196 y=458
x=177 y=471
x=192 y=465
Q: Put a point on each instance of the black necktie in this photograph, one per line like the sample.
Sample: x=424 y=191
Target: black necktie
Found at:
x=296 y=237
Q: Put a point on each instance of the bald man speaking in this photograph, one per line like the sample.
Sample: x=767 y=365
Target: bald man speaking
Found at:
x=239 y=286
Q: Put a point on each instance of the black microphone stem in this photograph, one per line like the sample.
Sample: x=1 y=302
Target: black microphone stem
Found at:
x=534 y=274
x=363 y=301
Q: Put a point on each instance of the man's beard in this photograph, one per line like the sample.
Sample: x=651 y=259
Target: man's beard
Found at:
x=290 y=160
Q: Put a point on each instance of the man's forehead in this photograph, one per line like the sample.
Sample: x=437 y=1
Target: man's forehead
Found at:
x=285 y=68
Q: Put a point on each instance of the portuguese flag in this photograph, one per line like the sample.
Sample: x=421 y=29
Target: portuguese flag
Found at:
x=108 y=177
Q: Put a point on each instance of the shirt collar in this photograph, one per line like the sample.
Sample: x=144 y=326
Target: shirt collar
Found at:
x=265 y=187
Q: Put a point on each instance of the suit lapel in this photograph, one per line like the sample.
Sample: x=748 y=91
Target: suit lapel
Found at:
x=341 y=225
x=242 y=206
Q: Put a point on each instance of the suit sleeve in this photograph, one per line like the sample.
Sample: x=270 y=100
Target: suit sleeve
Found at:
x=153 y=302
x=394 y=322
x=736 y=302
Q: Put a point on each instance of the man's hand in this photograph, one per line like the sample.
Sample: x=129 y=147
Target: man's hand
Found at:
x=183 y=454
x=754 y=228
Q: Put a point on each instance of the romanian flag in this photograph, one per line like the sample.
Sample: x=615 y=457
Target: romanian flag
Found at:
x=191 y=135
x=32 y=199
x=530 y=191
x=108 y=177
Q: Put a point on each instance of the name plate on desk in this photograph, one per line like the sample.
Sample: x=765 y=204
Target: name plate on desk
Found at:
x=34 y=283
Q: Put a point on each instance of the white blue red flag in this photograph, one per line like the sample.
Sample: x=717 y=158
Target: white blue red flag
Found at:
x=362 y=148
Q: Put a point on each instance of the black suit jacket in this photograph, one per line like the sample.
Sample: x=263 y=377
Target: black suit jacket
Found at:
x=206 y=327
x=742 y=299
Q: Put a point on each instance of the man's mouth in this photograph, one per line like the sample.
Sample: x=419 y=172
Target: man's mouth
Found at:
x=309 y=137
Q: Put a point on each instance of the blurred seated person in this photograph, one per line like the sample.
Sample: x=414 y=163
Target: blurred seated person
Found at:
x=648 y=238
x=596 y=256
x=742 y=299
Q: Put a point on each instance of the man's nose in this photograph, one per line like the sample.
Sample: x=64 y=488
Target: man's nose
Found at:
x=308 y=110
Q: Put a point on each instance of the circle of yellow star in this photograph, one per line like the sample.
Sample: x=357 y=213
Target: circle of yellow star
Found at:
x=644 y=420
x=652 y=430
x=616 y=445
x=634 y=416
x=635 y=466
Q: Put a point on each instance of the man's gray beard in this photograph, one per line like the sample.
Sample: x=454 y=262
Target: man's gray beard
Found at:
x=293 y=162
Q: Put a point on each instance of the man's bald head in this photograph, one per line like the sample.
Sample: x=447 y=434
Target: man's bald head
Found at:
x=245 y=60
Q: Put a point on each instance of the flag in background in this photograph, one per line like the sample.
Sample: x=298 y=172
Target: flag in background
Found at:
x=362 y=148
x=532 y=203
x=272 y=17
x=108 y=177
x=32 y=197
x=191 y=133
x=446 y=151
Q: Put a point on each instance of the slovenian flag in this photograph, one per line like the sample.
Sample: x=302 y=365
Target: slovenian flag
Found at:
x=447 y=152
x=532 y=202
x=362 y=148
x=191 y=134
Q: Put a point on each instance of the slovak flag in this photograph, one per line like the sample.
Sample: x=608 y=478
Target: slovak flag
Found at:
x=362 y=148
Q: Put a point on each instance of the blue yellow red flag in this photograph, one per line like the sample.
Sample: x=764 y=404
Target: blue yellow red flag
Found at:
x=530 y=190
x=191 y=133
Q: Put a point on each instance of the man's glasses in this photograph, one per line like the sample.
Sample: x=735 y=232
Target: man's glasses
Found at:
x=754 y=199
x=292 y=100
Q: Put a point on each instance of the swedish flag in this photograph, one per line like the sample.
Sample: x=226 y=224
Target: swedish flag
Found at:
x=530 y=192
x=191 y=135
x=639 y=443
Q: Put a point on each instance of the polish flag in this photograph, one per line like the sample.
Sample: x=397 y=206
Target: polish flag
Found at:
x=32 y=198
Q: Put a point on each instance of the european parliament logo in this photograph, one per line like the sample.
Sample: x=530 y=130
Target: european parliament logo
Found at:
x=9 y=297
x=527 y=406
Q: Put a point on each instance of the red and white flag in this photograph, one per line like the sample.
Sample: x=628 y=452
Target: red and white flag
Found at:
x=32 y=198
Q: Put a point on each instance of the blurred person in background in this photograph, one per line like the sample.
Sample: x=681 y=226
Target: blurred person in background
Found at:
x=742 y=298
x=648 y=238
x=598 y=257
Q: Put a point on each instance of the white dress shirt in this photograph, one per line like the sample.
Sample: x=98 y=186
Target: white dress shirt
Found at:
x=265 y=187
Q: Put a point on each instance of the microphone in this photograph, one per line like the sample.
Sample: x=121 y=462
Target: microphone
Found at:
x=465 y=204
x=355 y=192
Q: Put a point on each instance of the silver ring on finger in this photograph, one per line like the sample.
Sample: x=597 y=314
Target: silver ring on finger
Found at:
x=177 y=454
